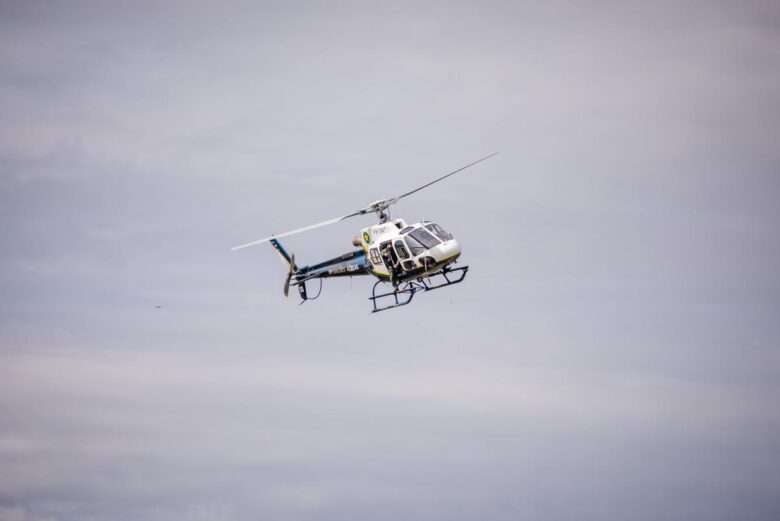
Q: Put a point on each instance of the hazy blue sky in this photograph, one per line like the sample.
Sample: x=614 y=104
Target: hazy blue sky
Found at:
x=614 y=353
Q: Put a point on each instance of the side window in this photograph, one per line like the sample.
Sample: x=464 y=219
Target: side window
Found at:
x=374 y=254
x=400 y=248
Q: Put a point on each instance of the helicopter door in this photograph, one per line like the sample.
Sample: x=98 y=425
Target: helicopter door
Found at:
x=389 y=256
x=400 y=250
x=391 y=259
x=403 y=255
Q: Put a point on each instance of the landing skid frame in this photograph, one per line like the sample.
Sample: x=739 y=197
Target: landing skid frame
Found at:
x=404 y=292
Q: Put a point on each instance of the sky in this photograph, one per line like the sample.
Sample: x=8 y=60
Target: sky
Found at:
x=613 y=354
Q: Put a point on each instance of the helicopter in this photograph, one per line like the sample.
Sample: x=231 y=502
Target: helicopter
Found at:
x=409 y=258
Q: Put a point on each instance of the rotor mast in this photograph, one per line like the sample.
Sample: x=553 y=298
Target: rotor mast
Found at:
x=382 y=209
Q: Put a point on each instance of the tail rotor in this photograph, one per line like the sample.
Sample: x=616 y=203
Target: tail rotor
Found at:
x=289 y=275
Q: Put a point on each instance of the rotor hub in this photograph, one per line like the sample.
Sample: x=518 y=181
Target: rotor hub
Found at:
x=382 y=209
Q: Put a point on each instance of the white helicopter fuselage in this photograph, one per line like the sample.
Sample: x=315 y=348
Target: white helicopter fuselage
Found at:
x=396 y=250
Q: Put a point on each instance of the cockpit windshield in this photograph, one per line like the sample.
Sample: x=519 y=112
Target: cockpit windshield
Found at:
x=424 y=238
x=440 y=232
x=414 y=245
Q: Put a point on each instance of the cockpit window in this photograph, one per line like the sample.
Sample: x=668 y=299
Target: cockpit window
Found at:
x=440 y=232
x=401 y=250
x=424 y=238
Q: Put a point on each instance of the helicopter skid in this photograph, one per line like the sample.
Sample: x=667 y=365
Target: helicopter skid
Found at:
x=405 y=291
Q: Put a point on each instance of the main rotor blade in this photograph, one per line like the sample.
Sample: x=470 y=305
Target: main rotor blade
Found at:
x=395 y=199
x=299 y=230
x=376 y=207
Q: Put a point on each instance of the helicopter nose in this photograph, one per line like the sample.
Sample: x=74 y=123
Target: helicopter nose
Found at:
x=450 y=249
x=455 y=247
